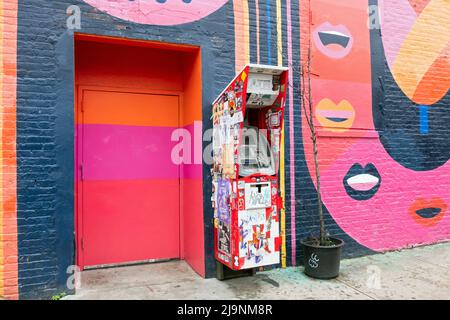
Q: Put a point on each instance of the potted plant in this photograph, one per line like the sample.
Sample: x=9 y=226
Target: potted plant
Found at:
x=321 y=254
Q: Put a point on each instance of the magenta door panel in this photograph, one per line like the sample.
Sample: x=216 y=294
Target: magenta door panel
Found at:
x=120 y=152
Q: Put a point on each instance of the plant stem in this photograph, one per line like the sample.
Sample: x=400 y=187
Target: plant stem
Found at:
x=319 y=195
x=315 y=151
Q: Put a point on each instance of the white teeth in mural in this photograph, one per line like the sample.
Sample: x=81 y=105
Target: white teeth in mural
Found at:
x=335 y=33
x=363 y=182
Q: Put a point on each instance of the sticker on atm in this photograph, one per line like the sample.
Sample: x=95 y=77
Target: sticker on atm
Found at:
x=258 y=195
x=224 y=238
x=249 y=218
x=224 y=257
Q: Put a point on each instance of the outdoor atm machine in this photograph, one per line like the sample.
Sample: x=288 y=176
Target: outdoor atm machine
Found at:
x=247 y=122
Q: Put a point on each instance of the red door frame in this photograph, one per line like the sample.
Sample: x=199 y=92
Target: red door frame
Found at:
x=79 y=250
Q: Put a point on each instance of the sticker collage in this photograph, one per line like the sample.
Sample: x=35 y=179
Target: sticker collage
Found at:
x=247 y=121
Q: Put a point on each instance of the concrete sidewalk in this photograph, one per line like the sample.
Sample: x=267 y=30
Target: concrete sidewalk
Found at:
x=419 y=273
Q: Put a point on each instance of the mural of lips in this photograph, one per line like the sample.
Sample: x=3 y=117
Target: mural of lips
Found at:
x=333 y=41
x=369 y=192
x=158 y=12
x=335 y=117
x=428 y=212
x=362 y=183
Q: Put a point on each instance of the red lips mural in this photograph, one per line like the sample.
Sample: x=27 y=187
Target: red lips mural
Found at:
x=158 y=12
x=428 y=212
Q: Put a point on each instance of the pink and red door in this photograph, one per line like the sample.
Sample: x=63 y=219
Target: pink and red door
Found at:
x=129 y=189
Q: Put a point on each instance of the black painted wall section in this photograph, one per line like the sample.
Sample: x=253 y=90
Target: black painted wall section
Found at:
x=45 y=151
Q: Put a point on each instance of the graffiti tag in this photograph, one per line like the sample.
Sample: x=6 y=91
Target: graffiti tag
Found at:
x=314 y=261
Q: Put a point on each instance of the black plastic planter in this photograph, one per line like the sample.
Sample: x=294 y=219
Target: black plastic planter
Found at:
x=322 y=262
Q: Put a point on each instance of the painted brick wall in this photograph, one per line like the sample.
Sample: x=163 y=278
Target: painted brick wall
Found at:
x=45 y=125
x=8 y=197
x=393 y=124
x=380 y=100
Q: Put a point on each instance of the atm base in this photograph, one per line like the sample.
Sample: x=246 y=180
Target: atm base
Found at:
x=225 y=273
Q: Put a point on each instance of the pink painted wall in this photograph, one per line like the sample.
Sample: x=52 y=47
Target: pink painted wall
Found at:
x=382 y=202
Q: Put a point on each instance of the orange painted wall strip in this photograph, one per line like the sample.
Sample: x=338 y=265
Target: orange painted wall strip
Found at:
x=8 y=162
x=242 y=33
x=109 y=109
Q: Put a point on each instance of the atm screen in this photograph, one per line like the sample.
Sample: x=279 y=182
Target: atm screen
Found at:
x=255 y=154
